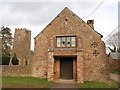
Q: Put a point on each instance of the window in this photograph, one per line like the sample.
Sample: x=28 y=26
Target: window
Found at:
x=73 y=41
x=63 y=41
x=58 y=42
x=66 y=41
x=19 y=36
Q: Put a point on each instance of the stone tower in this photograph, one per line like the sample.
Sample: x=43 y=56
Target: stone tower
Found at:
x=21 y=46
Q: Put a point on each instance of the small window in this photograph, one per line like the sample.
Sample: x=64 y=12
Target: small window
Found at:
x=19 y=36
x=73 y=41
x=66 y=19
x=58 y=42
x=26 y=63
x=66 y=41
x=63 y=41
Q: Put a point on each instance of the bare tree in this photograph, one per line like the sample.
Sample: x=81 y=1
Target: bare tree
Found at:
x=113 y=41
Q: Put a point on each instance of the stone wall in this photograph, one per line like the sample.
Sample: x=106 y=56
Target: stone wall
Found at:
x=16 y=70
x=114 y=64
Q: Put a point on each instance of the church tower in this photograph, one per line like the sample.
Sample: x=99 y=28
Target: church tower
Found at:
x=21 y=46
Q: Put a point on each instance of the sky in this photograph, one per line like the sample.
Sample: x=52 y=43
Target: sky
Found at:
x=34 y=15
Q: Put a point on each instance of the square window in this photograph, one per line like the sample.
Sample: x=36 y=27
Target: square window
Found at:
x=63 y=41
x=58 y=42
x=73 y=41
x=66 y=41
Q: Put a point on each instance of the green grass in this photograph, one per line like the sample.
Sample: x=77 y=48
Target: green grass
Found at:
x=92 y=84
x=25 y=82
x=32 y=82
x=116 y=72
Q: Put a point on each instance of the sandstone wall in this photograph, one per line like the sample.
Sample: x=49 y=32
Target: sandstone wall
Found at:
x=16 y=70
x=114 y=64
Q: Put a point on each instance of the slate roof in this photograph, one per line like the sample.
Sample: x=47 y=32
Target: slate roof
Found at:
x=115 y=55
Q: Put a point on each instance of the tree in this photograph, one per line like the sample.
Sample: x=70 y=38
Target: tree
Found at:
x=6 y=45
x=7 y=41
x=15 y=60
x=113 y=42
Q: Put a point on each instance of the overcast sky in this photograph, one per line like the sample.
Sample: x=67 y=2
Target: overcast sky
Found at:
x=35 y=16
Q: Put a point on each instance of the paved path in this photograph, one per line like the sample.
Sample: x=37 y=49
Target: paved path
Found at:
x=70 y=85
x=115 y=77
x=64 y=85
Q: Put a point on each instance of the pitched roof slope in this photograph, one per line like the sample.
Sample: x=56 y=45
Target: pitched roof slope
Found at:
x=66 y=10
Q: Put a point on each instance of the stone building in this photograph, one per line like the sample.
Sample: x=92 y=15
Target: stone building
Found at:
x=21 y=46
x=69 y=48
x=114 y=61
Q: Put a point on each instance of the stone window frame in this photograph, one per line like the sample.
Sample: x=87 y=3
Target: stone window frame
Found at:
x=66 y=36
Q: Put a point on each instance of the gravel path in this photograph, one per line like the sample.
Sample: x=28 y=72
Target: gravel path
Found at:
x=70 y=85
x=64 y=85
x=115 y=77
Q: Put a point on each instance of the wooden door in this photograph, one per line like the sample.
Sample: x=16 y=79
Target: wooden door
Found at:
x=66 y=68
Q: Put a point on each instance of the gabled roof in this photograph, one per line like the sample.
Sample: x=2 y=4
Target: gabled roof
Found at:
x=66 y=9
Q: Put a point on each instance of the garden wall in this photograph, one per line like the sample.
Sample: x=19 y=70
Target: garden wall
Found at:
x=24 y=70
x=114 y=64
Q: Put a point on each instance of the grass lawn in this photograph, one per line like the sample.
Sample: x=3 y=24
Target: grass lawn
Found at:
x=32 y=82
x=92 y=84
x=25 y=82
